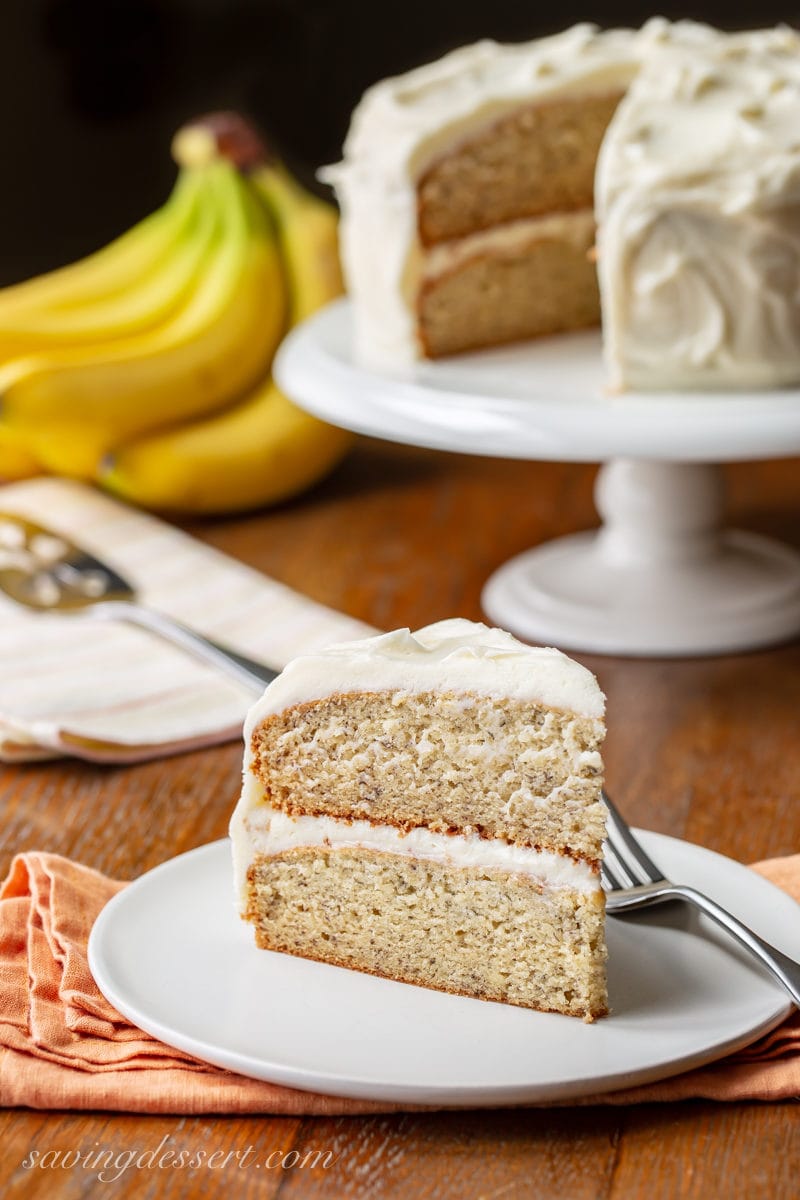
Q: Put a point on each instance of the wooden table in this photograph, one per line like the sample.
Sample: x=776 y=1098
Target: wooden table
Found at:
x=704 y=749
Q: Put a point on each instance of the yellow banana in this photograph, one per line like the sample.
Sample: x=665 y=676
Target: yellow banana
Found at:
x=143 y=304
x=16 y=460
x=308 y=235
x=76 y=404
x=263 y=450
x=111 y=269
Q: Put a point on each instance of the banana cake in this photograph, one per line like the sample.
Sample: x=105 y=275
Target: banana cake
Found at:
x=427 y=807
x=471 y=187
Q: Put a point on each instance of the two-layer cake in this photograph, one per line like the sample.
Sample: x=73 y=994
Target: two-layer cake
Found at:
x=428 y=807
x=471 y=189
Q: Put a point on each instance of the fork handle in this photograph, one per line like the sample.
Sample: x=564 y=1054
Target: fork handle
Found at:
x=786 y=970
x=246 y=670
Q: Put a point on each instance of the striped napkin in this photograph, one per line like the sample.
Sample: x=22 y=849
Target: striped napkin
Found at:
x=110 y=692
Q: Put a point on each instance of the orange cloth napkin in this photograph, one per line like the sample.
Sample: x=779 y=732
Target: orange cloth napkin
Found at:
x=62 y=1045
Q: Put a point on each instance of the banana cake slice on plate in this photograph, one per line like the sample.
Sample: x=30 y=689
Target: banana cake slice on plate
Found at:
x=427 y=807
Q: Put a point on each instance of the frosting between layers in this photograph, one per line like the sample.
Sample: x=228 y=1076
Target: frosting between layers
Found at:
x=698 y=195
x=509 y=238
x=402 y=124
x=449 y=656
x=262 y=830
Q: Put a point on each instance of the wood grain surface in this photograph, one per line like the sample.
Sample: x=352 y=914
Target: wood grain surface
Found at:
x=705 y=749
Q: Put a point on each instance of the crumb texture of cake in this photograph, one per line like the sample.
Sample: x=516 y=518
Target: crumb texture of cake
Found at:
x=540 y=159
x=489 y=292
x=468 y=931
x=420 y=805
x=509 y=770
x=698 y=198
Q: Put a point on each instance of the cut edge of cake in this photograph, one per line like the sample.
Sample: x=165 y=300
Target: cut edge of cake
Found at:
x=404 y=862
x=488 y=135
x=469 y=188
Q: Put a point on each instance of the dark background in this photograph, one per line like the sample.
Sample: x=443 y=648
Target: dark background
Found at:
x=91 y=90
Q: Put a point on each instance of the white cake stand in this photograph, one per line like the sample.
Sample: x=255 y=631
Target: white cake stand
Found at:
x=661 y=576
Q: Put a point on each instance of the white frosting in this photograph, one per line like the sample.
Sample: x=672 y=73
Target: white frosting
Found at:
x=510 y=237
x=697 y=191
x=455 y=655
x=256 y=830
x=404 y=123
x=698 y=201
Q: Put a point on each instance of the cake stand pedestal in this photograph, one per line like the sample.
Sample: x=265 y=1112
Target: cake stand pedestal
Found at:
x=662 y=576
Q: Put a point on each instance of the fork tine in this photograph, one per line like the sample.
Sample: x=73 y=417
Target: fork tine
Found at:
x=626 y=849
x=618 y=868
x=609 y=879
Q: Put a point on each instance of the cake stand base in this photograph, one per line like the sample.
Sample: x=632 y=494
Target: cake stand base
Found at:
x=660 y=577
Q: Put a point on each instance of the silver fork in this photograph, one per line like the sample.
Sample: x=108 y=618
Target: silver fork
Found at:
x=47 y=572
x=632 y=880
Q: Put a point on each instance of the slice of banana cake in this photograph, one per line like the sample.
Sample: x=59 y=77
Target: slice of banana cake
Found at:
x=427 y=806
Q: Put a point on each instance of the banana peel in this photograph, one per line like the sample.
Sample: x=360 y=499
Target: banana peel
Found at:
x=148 y=300
x=110 y=270
x=308 y=236
x=145 y=367
x=17 y=460
x=67 y=448
x=219 y=344
x=260 y=452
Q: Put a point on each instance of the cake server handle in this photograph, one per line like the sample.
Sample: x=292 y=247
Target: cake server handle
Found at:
x=253 y=674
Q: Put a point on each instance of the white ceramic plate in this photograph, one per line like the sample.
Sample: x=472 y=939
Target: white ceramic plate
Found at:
x=172 y=955
x=543 y=399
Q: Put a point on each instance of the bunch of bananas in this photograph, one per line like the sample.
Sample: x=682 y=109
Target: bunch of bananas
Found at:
x=146 y=367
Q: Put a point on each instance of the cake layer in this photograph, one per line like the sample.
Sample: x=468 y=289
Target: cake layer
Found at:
x=519 y=281
x=449 y=761
x=476 y=931
x=537 y=160
x=264 y=832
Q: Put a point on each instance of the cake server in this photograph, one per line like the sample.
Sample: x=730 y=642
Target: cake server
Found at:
x=45 y=571
x=632 y=880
